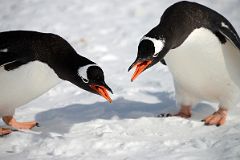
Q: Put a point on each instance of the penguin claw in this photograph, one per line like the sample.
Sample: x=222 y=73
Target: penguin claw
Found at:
x=162 y=115
x=169 y=115
x=37 y=124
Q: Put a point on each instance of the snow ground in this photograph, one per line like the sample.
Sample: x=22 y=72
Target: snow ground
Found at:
x=78 y=125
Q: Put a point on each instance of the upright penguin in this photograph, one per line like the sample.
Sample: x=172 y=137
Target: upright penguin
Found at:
x=32 y=62
x=202 y=51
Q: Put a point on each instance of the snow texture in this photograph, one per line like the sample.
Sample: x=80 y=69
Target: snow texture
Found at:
x=78 y=125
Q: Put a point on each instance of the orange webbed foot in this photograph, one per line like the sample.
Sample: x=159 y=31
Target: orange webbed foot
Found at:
x=185 y=112
x=217 y=118
x=9 y=120
x=183 y=115
x=5 y=131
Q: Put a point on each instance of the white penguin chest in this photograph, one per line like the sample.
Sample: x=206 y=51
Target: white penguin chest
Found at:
x=204 y=68
x=21 y=85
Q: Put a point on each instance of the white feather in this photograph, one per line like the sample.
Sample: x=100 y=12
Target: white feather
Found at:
x=204 y=69
x=21 y=85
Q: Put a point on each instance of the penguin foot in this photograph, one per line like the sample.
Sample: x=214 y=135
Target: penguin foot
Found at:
x=185 y=112
x=5 y=131
x=217 y=118
x=180 y=114
x=9 y=120
x=183 y=115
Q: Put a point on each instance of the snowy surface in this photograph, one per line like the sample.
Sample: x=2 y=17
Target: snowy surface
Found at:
x=78 y=125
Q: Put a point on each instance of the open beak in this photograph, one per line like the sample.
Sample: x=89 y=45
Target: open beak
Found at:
x=140 y=67
x=102 y=90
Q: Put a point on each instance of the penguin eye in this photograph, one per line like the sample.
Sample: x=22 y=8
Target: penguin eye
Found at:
x=84 y=80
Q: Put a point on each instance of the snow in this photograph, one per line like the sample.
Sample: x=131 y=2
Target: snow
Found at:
x=78 y=125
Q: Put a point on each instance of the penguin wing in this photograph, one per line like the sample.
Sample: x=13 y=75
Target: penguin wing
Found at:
x=11 y=60
x=227 y=30
x=163 y=62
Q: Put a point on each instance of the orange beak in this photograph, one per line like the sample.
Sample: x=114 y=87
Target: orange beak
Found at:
x=140 y=67
x=102 y=91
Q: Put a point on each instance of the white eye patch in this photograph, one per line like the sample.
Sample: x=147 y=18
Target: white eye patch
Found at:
x=158 y=44
x=82 y=72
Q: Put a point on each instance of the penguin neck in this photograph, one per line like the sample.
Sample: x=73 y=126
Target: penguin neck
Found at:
x=65 y=63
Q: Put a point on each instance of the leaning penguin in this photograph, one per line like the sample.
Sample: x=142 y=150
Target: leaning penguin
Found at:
x=32 y=63
x=202 y=50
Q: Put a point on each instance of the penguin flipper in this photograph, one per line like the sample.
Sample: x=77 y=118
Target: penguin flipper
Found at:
x=230 y=34
x=13 y=65
x=9 y=58
x=163 y=62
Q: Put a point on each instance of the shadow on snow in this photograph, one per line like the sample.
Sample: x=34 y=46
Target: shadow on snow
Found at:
x=60 y=120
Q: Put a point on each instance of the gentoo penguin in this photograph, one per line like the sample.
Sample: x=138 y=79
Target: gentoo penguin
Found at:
x=32 y=63
x=201 y=49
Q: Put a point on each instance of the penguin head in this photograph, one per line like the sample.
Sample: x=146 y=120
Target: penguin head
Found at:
x=91 y=78
x=150 y=52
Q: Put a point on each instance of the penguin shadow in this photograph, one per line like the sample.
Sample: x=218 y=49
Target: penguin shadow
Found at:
x=60 y=120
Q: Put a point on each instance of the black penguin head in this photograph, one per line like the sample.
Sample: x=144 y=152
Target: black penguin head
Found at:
x=149 y=53
x=91 y=78
x=146 y=48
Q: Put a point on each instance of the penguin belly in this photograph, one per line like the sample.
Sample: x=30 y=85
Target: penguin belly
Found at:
x=205 y=69
x=23 y=84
